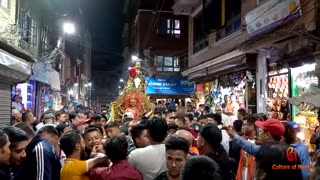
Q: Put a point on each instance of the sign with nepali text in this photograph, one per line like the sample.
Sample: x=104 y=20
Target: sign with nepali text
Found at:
x=271 y=14
x=169 y=86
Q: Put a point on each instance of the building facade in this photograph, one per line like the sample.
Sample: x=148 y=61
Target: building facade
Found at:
x=15 y=63
x=160 y=38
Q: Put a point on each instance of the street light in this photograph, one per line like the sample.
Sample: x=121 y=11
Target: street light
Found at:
x=121 y=80
x=134 y=57
x=69 y=28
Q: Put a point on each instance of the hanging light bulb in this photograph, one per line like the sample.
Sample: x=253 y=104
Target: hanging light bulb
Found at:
x=137 y=82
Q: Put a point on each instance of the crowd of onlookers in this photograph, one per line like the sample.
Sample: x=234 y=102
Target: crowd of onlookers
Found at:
x=181 y=143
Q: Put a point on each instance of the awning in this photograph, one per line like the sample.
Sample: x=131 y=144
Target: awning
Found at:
x=55 y=80
x=236 y=64
x=13 y=69
x=312 y=97
x=213 y=62
x=41 y=72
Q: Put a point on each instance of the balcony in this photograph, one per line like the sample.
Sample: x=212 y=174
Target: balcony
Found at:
x=183 y=7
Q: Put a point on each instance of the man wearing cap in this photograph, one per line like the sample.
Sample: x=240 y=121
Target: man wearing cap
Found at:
x=49 y=119
x=126 y=118
x=270 y=131
x=290 y=135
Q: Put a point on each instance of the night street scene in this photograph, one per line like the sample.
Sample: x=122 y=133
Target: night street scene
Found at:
x=159 y=89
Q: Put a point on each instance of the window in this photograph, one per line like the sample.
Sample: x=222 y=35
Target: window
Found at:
x=34 y=33
x=167 y=64
x=233 y=19
x=4 y=4
x=169 y=27
x=200 y=38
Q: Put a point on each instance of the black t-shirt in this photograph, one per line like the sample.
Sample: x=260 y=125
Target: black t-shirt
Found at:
x=5 y=174
x=221 y=157
x=162 y=176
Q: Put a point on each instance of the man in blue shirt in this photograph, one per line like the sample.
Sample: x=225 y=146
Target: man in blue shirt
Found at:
x=270 y=131
x=290 y=135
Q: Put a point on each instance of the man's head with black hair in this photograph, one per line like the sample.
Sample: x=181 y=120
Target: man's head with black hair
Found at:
x=139 y=136
x=200 y=167
x=50 y=133
x=241 y=114
x=214 y=119
x=237 y=126
x=202 y=120
x=172 y=128
x=4 y=148
x=180 y=121
x=72 y=143
x=112 y=129
x=117 y=148
x=92 y=137
x=157 y=130
x=18 y=143
x=248 y=127
x=26 y=128
x=60 y=128
x=28 y=117
x=177 y=150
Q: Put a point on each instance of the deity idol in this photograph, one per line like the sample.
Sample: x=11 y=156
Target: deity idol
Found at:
x=133 y=107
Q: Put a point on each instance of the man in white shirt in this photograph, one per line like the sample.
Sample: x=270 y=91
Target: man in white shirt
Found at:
x=150 y=161
x=225 y=118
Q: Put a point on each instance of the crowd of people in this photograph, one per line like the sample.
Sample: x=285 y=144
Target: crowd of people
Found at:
x=170 y=144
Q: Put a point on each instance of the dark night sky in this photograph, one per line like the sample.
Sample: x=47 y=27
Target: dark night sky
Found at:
x=106 y=21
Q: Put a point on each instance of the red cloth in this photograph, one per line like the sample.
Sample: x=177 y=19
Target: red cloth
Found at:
x=195 y=135
x=121 y=170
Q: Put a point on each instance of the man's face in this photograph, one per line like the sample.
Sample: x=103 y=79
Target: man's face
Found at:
x=202 y=122
x=246 y=128
x=5 y=153
x=62 y=118
x=263 y=136
x=211 y=120
x=103 y=122
x=218 y=110
x=113 y=132
x=175 y=159
x=92 y=139
x=143 y=140
x=18 y=153
x=179 y=123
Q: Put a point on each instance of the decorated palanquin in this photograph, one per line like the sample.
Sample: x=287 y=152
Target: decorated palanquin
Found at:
x=133 y=98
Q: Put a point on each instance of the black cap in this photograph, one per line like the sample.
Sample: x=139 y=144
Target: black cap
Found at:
x=211 y=134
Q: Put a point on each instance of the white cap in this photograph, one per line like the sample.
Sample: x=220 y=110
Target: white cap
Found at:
x=128 y=115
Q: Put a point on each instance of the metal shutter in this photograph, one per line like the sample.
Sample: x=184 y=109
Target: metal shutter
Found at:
x=5 y=104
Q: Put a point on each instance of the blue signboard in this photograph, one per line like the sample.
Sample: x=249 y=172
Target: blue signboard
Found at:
x=169 y=86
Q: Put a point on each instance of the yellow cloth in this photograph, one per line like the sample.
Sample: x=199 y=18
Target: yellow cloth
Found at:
x=74 y=169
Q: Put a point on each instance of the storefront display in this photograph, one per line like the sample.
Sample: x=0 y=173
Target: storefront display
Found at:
x=278 y=93
x=26 y=92
x=304 y=82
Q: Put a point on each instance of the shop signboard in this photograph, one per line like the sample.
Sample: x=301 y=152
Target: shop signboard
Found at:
x=169 y=86
x=271 y=14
